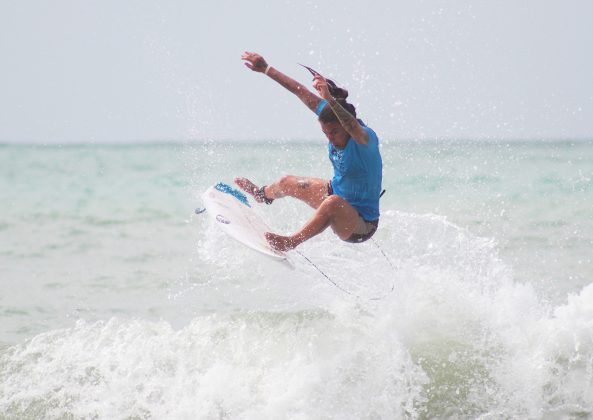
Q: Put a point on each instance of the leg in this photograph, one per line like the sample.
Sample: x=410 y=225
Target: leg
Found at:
x=310 y=190
x=334 y=211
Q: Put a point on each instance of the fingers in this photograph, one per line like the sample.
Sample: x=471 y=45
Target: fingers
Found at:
x=249 y=58
x=319 y=82
x=248 y=55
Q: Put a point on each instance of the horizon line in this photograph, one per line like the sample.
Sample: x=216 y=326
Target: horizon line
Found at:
x=186 y=142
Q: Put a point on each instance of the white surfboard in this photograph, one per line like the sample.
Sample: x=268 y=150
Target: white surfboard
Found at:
x=232 y=212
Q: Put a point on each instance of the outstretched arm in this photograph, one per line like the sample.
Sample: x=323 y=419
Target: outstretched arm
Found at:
x=257 y=63
x=347 y=120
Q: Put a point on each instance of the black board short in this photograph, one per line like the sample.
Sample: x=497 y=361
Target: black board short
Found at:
x=364 y=230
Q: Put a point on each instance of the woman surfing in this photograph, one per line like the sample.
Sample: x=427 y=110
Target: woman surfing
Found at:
x=349 y=202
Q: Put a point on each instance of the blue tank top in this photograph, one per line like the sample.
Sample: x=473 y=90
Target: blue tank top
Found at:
x=358 y=171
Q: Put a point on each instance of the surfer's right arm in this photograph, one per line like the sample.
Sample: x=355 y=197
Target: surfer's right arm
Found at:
x=258 y=64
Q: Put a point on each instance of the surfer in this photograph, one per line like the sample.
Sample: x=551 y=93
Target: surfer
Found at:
x=349 y=202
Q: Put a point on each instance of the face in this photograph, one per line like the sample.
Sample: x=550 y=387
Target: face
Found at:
x=335 y=133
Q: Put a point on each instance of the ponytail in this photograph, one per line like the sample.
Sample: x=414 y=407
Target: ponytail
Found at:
x=336 y=91
x=339 y=94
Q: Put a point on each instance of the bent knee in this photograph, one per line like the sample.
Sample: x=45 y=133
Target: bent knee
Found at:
x=286 y=181
x=291 y=184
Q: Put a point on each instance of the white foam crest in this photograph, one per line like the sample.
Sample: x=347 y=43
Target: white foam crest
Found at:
x=546 y=360
x=249 y=365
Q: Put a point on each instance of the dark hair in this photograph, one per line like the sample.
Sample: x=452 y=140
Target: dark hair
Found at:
x=340 y=94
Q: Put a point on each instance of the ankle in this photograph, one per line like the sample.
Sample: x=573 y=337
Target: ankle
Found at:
x=296 y=240
x=261 y=193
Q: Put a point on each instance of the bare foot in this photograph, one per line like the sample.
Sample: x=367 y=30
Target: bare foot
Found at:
x=250 y=188
x=280 y=243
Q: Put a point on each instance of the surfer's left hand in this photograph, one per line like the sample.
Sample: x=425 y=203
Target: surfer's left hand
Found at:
x=320 y=84
x=254 y=61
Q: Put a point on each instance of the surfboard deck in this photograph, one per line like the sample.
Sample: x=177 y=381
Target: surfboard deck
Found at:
x=232 y=212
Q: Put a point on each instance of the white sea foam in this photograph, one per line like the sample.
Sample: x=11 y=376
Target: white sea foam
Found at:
x=456 y=338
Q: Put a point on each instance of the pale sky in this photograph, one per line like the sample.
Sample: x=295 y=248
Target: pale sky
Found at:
x=125 y=71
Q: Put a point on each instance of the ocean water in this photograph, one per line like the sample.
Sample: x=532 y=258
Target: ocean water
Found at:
x=119 y=302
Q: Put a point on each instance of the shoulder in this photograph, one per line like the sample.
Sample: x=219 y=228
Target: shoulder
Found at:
x=373 y=139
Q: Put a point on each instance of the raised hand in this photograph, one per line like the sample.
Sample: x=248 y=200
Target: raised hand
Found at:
x=254 y=61
x=320 y=84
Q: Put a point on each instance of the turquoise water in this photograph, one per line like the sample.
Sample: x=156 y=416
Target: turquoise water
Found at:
x=119 y=302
